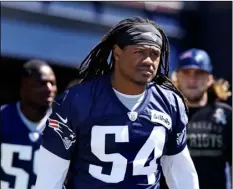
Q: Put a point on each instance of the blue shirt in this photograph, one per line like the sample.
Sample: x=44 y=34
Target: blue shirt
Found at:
x=19 y=146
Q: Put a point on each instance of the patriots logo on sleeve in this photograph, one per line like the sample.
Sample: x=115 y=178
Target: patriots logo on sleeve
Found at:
x=67 y=135
x=181 y=137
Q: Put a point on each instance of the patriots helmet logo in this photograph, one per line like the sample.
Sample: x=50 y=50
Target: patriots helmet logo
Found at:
x=220 y=116
x=66 y=134
x=181 y=137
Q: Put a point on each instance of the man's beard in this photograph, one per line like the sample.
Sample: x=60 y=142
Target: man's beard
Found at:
x=195 y=99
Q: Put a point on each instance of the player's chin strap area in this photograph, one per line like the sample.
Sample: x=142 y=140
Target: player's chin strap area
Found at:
x=140 y=34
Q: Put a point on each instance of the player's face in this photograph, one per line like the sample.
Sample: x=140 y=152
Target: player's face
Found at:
x=41 y=89
x=193 y=83
x=138 y=63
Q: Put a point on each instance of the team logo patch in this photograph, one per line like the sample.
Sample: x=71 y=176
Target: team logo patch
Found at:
x=151 y=35
x=132 y=116
x=180 y=138
x=67 y=135
x=220 y=116
x=162 y=118
x=34 y=136
x=186 y=55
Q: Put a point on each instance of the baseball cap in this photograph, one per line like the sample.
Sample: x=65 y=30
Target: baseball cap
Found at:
x=195 y=58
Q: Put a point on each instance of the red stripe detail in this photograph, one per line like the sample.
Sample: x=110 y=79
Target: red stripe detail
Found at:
x=186 y=55
x=53 y=123
x=53 y=126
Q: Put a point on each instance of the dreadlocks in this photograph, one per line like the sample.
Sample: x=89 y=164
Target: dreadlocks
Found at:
x=96 y=63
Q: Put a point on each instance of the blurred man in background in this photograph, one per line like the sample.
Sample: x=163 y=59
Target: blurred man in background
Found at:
x=209 y=130
x=22 y=124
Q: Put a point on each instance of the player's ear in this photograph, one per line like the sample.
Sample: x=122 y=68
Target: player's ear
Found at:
x=210 y=80
x=116 y=52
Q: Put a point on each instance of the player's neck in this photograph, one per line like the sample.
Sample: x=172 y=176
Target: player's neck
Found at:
x=33 y=114
x=126 y=87
x=198 y=104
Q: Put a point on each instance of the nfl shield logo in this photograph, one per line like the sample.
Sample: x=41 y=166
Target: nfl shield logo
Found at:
x=34 y=136
x=132 y=115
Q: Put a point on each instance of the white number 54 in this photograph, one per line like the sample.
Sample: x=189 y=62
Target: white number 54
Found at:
x=155 y=142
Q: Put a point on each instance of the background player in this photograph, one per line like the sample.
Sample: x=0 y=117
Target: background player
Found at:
x=125 y=118
x=22 y=124
x=209 y=131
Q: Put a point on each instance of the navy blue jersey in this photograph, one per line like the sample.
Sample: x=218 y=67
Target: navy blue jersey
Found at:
x=209 y=137
x=18 y=151
x=108 y=145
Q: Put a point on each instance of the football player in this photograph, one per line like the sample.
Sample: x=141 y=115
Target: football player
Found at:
x=123 y=122
x=22 y=124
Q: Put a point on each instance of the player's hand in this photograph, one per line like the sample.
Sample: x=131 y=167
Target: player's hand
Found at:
x=221 y=87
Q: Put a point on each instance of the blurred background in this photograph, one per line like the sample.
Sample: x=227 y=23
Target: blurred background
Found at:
x=63 y=33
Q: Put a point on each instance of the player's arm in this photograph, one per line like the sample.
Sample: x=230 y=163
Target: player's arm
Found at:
x=177 y=165
x=179 y=171
x=58 y=141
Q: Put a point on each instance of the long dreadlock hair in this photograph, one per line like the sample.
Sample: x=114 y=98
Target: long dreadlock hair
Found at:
x=96 y=63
